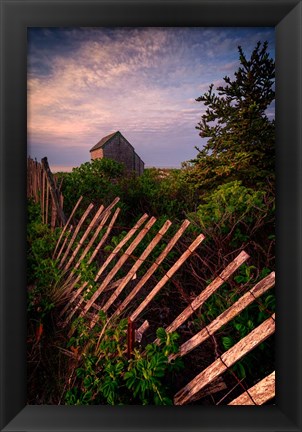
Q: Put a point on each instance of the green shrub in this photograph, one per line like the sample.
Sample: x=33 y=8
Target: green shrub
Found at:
x=107 y=376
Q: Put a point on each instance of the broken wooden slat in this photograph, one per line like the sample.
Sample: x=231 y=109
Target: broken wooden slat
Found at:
x=259 y=394
x=141 y=330
x=119 y=264
x=67 y=224
x=137 y=264
x=167 y=276
x=227 y=359
x=77 y=229
x=208 y=291
x=84 y=236
x=258 y=290
x=153 y=268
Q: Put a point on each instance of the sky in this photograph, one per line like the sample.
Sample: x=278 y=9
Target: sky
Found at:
x=85 y=83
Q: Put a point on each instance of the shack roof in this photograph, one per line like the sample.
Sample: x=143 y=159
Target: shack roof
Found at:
x=103 y=141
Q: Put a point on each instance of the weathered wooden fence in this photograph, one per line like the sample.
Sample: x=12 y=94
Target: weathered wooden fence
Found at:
x=121 y=292
x=43 y=188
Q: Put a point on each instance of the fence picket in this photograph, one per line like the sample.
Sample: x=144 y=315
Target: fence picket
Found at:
x=101 y=242
x=207 y=292
x=244 y=301
x=260 y=393
x=84 y=236
x=153 y=268
x=227 y=359
x=119 y=264
x=67 y=224
x=77 y=229
x=167 y=276
x=137 y=264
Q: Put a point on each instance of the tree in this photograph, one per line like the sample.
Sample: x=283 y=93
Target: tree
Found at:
x=241 y=137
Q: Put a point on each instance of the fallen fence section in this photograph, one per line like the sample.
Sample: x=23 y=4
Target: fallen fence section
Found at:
x=77 y=242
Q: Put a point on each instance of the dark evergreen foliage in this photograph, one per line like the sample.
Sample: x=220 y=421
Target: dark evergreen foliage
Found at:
x=241 y=137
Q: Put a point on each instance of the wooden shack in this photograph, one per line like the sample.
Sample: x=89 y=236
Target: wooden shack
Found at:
x=115 y=146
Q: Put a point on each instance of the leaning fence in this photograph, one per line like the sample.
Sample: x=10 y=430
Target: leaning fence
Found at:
x=121 y=292
x=42 y=188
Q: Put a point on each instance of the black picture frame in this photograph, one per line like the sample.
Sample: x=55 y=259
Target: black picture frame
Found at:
x=16 y=16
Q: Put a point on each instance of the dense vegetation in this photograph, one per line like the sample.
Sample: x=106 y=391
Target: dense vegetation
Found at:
x=227 y=193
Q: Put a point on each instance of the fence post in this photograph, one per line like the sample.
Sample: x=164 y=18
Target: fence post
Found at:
x=53 y=191
x=130 y=337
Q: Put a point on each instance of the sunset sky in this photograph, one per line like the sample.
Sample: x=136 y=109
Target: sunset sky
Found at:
x=84 y=83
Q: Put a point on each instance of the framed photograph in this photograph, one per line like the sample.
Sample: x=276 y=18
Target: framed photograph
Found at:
x=30 y=34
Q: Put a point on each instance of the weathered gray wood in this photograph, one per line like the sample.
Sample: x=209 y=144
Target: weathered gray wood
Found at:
x=137 y=264
x=141 y=330
x=53 y=215
x=66 y=225
x=101 y=242
x=106 y=263
x=120 y=245
x=105 y=236
x=65 y=241
x=258 y=290
x=43 y=197
x=75 y=233
x=153 y=268
x=207 y=292
x=214 y=387
x=84 y=236
x=227 y=359
x=53 y=190
x=167 y=276
x=119 y=264
x=47 y=204
x=259 y=394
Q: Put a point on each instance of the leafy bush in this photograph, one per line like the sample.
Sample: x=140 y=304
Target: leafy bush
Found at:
x=107 y=376
x=43 y=272
x=234 y=216
x=96 y=181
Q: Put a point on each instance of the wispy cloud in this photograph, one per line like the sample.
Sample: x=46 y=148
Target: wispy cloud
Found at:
x=85 y=83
